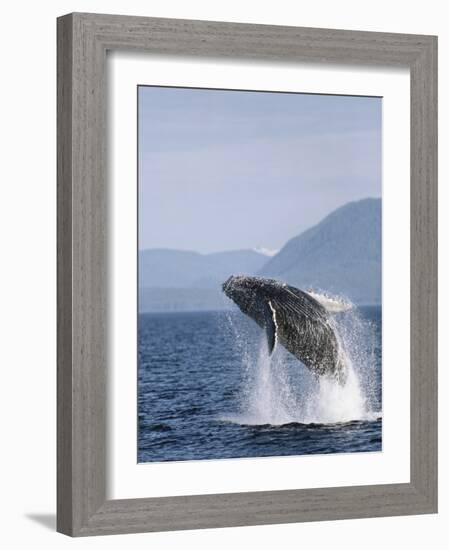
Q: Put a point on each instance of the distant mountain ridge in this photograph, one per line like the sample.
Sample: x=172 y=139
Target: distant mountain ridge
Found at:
x=180 y=268
x=179 y=280
x=341 y=255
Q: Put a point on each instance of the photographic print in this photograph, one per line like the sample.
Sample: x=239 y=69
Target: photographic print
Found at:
x=259 y=274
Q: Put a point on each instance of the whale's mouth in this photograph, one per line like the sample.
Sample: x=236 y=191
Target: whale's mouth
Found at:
x=236 y=284
x=227 y=285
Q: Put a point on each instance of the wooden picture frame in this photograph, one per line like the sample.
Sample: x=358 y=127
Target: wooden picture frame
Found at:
x=83 y=40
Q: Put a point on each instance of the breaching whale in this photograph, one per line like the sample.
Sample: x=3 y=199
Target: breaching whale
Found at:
x=292 y=318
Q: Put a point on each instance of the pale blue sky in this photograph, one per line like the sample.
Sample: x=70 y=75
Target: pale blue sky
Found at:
x=222 y=170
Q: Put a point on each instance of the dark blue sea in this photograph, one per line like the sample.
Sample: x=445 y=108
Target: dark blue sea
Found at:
x=207 y=389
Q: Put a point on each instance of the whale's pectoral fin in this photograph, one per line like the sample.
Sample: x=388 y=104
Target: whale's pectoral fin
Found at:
x=270 y=326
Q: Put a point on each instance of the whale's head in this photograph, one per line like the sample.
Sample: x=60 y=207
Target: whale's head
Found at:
x=250 y=293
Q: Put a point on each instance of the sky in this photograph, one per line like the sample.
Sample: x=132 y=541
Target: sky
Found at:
x=227 y=170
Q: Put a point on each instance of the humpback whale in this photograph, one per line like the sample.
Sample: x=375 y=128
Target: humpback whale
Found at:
x=293 y=318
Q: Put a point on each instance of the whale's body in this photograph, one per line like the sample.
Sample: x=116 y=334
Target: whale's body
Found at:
x=292 y=318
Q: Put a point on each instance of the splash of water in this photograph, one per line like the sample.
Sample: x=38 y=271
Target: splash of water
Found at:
x=334 y=304
x=277 y=390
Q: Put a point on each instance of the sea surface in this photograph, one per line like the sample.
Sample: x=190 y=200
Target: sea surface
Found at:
x=207 y=389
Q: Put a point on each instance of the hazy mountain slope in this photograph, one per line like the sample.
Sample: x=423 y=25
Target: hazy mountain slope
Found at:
x=183 y=269
x=341 y=254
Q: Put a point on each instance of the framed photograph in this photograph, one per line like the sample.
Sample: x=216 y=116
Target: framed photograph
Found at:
x=247 y=282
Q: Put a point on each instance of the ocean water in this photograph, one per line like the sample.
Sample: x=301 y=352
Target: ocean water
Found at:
x=207 y=389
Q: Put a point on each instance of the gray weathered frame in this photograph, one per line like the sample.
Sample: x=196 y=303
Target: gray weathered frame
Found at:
x=83 y=40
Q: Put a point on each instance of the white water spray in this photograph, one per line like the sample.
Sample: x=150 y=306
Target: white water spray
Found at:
x=277 y=390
